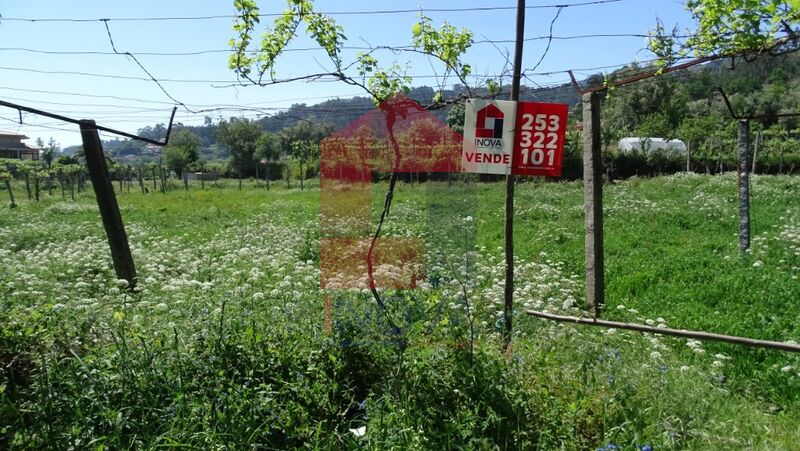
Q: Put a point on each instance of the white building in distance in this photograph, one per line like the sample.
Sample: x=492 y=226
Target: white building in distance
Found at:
x=651 y=145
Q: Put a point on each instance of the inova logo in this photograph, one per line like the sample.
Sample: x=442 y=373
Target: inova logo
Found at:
x=489 y=127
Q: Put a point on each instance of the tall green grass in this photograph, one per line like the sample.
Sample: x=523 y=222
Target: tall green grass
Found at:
x=222 y=344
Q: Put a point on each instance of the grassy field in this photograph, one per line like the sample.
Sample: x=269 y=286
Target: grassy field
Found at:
x=221 y=345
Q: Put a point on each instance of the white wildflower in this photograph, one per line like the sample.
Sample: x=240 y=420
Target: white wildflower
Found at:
x=359 y=431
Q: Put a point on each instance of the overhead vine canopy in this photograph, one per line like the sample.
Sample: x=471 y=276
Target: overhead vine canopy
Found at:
x=447 y=45
x=728 y=27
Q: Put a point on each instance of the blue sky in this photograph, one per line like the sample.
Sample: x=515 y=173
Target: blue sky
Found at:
x=141 y=102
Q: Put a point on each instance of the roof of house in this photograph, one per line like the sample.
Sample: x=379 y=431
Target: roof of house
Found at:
x=6 y=133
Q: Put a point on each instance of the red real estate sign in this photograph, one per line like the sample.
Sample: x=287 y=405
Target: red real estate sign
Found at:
x=539 y=139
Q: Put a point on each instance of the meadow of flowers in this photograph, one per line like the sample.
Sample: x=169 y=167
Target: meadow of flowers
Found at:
x=221 y=344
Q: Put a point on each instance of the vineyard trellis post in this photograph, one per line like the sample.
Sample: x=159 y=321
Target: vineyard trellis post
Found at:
x=141 y=179
x=28 y=183
x=744 y=184
x=593 y=203
x=593 y=209
x=107 y=202
x=688 y=156
x=755 y=151
x=10 y=194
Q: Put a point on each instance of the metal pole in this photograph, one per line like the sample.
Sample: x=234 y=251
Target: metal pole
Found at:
x=508 y=306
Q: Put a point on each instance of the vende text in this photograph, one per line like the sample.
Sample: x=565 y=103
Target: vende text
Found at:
x=479 y=157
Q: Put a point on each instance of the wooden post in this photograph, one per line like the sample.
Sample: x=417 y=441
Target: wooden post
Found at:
x=688 y=156
x=155 y=187
x=10 y=194
x=141 y=179
x=186 y=180
x=508 y=293
x=755 y=151
x=28 y=185
x=744 y=185
x=303 y=176
x=107 y=202
x=593 y=203
x=163 y=179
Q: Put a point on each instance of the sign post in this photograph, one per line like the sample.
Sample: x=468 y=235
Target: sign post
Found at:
x=513 y=138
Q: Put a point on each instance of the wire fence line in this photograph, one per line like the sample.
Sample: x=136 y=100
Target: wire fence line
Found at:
x=330 y=13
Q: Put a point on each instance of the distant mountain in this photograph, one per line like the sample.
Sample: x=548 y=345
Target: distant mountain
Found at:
x=767 y=86
x=340 y=112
